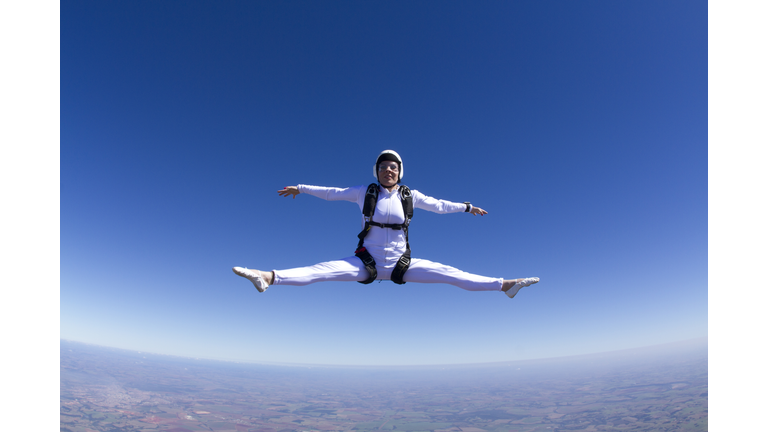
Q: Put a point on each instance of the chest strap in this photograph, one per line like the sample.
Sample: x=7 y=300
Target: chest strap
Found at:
x=395 y=227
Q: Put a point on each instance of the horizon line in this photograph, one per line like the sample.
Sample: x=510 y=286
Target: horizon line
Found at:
x=701 y=339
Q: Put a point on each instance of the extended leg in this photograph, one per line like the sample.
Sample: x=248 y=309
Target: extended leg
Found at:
x=349 y=269
x=345 y=270
x=424 y=271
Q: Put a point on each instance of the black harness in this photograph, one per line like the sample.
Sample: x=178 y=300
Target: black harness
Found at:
x=371 y=198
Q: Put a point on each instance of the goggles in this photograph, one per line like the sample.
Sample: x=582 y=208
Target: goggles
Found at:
x=388 y=166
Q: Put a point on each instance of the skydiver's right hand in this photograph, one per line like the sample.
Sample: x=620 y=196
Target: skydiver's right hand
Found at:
x=289 y=190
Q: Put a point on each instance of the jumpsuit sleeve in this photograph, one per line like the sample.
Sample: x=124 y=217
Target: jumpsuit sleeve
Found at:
x=424 y=202
x=333 y=194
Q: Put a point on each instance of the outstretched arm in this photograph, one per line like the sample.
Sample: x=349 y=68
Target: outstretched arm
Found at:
x=353 y=194
x=289 y=190
x=425 y=202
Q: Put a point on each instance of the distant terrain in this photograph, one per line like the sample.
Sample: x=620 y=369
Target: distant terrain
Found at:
x=656 y=389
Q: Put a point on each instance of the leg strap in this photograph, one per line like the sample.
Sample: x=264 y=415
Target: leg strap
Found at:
x=369 y=264
x=401 y=267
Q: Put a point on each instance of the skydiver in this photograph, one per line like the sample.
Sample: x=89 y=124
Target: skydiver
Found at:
x=383 y=251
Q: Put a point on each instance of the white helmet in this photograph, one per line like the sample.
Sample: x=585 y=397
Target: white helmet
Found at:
x=390 y=155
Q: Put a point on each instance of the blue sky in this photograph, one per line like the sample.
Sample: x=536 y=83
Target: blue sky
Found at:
x=581 y=127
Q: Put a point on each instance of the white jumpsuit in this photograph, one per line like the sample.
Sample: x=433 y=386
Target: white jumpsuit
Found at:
x=385 y=245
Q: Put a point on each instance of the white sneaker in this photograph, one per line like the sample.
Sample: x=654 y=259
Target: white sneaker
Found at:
x=253 y=276
x=520 y=284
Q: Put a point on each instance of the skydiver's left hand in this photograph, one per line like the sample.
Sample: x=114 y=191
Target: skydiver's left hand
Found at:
x=289 y=191
x=478 y=211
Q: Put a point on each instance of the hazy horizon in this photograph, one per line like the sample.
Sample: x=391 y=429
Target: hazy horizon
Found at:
x=643 y=350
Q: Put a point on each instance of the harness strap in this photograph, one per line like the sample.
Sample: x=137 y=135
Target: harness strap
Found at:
x=405 y=260
x=395 y=227
x=369 y=206
x=401 y=267
x=369 y=263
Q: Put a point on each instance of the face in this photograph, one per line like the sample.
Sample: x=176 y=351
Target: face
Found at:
x=388 y=173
